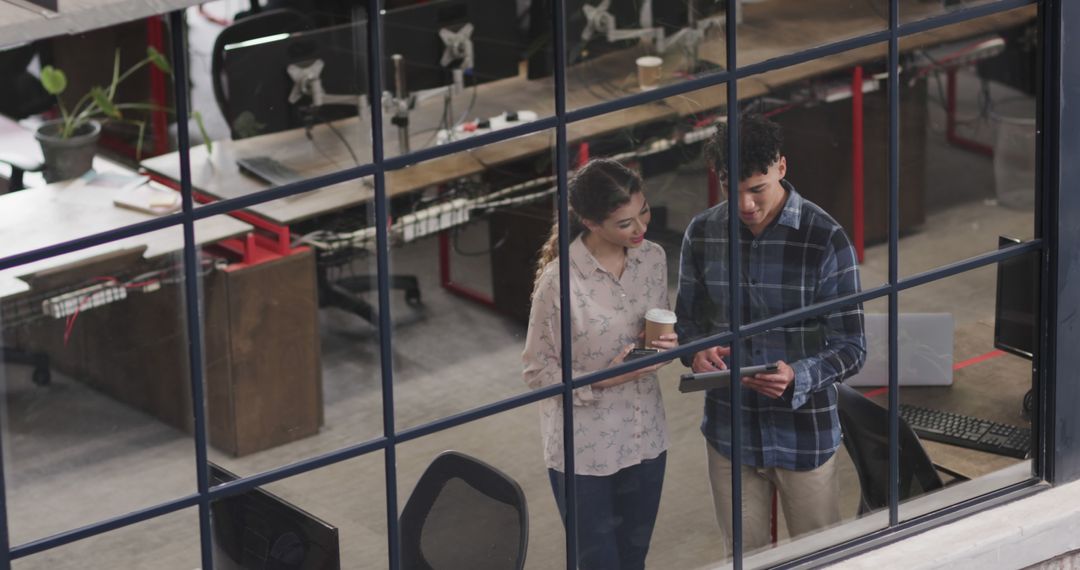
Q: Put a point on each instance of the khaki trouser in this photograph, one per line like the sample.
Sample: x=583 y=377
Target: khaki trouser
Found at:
x=810 y=499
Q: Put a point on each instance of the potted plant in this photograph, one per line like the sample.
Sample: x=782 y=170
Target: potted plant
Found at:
x=68 y=143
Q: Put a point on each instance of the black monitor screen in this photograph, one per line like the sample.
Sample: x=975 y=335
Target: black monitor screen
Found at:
x=259 y=85
x=413 y=33
x=257 y=530
x=627 y=14
x=675 y=15
x=1016 y=309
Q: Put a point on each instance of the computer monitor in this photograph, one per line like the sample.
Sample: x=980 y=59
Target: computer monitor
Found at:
x=1017 y=305
x=413 y=33
x=259 y=84
x=256 y=529
x=627 y=14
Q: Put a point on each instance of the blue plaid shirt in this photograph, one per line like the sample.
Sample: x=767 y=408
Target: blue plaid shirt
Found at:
x=803 y=257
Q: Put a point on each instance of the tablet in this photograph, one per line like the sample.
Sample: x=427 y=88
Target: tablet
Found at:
x=694 y=382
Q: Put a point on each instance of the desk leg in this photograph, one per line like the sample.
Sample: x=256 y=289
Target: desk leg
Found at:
x=447 y=280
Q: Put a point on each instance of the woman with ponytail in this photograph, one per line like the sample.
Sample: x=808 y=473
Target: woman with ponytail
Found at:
x=620 y=433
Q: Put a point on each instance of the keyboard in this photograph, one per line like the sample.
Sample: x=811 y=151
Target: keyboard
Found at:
x=966 y=431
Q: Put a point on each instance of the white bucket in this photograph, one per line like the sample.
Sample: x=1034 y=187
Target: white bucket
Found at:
x=1014 y=153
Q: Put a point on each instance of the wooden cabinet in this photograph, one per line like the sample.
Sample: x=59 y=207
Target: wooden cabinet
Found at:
x=263 y=373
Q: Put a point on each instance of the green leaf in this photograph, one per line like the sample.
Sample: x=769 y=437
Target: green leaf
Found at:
x=138 y=146
x=53 y=80
x=101 y=98
x=202 y=131
x=158 y=59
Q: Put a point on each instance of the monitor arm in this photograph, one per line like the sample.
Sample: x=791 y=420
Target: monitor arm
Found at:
x=688 y=38
x=307 y=83
x=600 y=21
x=457 y=56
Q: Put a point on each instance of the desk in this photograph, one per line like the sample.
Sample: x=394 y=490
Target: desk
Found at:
x=826 y=21
x=40 y=217
x=991 y=389
x=255 y=398
x=769 y=30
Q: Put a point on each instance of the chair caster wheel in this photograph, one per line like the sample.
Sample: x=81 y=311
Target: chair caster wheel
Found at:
x=41 y=376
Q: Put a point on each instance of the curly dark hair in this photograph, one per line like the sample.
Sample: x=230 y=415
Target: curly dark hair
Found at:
x=760 y=142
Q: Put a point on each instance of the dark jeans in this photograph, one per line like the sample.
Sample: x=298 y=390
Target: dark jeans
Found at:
x=615 y=514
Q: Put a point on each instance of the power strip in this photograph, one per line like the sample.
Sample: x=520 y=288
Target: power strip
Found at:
x=434 y=219
x=69 y=303
x=480 y=126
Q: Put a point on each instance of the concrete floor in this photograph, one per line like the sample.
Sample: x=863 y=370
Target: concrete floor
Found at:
x=73 y=456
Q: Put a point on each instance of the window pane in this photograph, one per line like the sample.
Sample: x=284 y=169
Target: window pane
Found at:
x=466 y=67
x=956 y=378
x=804 y=25
x=168 y=541
x=458 y=491
x=289 y=100
x=977 y=178
x=334 y=516
x=97 y=382
x=291 y=336
x=468 y=240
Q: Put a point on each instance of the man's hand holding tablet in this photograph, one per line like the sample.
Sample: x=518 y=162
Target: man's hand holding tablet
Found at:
x=693 y=382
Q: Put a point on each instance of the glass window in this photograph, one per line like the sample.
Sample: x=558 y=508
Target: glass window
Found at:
x=273 y=351
x=976 y=94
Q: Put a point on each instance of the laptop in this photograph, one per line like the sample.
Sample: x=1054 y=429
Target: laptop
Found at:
x=925 y=350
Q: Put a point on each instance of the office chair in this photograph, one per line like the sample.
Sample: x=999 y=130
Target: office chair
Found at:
x=21 y=97
x=866 y=436
x=23 y=94
x=464 y=513
x=19 y=165
x=255 y=25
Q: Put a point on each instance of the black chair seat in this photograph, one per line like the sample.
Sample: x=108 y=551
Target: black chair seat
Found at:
x=866 y=437
x=464 y=513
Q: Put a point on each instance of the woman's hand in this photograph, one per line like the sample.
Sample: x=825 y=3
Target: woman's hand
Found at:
x=666 y=341
x=624 y=378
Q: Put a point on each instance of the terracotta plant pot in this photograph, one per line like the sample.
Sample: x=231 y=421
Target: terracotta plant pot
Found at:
x=71 y=157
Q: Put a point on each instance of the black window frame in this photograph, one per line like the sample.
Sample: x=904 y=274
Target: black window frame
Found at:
x=1057 y=438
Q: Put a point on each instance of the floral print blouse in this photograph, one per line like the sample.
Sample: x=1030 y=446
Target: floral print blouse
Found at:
x=614 y=427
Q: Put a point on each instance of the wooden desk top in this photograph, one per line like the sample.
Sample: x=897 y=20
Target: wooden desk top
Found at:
x=39 y=217
x=765 y=33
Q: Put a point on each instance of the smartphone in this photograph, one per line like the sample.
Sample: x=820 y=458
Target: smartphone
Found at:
x=640 y=352
x=694 y=382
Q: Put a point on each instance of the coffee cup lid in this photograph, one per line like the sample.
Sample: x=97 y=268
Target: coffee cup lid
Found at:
x=649 y=61
x=659 y=315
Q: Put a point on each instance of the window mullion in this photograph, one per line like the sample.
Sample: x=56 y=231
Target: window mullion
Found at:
x=894 y=248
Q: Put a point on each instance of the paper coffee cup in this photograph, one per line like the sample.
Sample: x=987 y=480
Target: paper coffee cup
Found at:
x=648 y=71
x=657 y=322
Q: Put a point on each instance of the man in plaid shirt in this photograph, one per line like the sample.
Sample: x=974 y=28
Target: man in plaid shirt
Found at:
x=792 y=255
